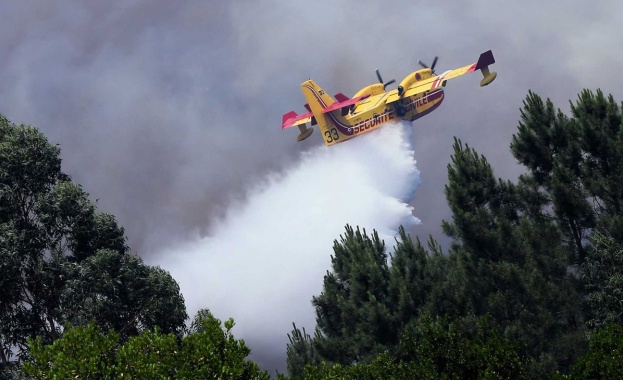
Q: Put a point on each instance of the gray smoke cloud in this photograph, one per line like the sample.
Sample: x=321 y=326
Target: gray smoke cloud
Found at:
x=169 y=112
x=264 y=261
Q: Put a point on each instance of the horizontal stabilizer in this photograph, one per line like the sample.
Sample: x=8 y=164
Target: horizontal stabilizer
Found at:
x=288 y=116
x=292 y=119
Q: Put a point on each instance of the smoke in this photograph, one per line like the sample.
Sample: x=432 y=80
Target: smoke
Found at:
x=150 y=100
x=266 y=259
x=165 y=111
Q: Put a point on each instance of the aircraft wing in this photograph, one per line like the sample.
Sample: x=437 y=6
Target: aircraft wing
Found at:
x=437 y=81
x=291 y=119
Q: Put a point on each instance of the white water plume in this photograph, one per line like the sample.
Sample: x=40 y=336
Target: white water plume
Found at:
x=265 y=260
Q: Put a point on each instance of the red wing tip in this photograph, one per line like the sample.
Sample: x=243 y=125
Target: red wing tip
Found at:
x=292 y=117
x=286 y=118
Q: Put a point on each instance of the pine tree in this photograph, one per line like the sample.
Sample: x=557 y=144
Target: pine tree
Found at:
x=602 y=276
x=353 y=317
x=599 y=122
x=575 y=165
x=300 y=352
x=514 y=263
x=413 y=275
x=579 y=182
x=366 y=303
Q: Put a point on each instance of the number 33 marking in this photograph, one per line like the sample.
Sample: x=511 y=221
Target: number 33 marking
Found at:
x=332 y=135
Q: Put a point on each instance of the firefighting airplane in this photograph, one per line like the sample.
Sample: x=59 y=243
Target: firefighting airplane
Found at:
x=341 y=119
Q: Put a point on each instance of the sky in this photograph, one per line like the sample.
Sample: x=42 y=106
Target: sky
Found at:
x=168 y=113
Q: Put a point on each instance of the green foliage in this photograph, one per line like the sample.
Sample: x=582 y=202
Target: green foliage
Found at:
x=212 y=352
x=353 y=318
x=61 y=260
x=514 y=263
x=437 y=349
x=547 y=144
x=150 y=355
x=576 y=164
x=300 y=352
x=383 y=366
x=576 y=178
x=412 y=278
x=519 y=249
x=598 y=120
x=604 y=359
x=467 y=349
x=118 y=291
x=81 y=353
x=602 y=275
x=365 y=303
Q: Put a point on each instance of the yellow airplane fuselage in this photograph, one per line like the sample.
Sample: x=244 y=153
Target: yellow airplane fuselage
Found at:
x=343 y=118
x=371 y=112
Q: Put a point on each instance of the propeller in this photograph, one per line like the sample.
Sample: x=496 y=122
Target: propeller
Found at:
x=432 y=67
x=378 y=75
